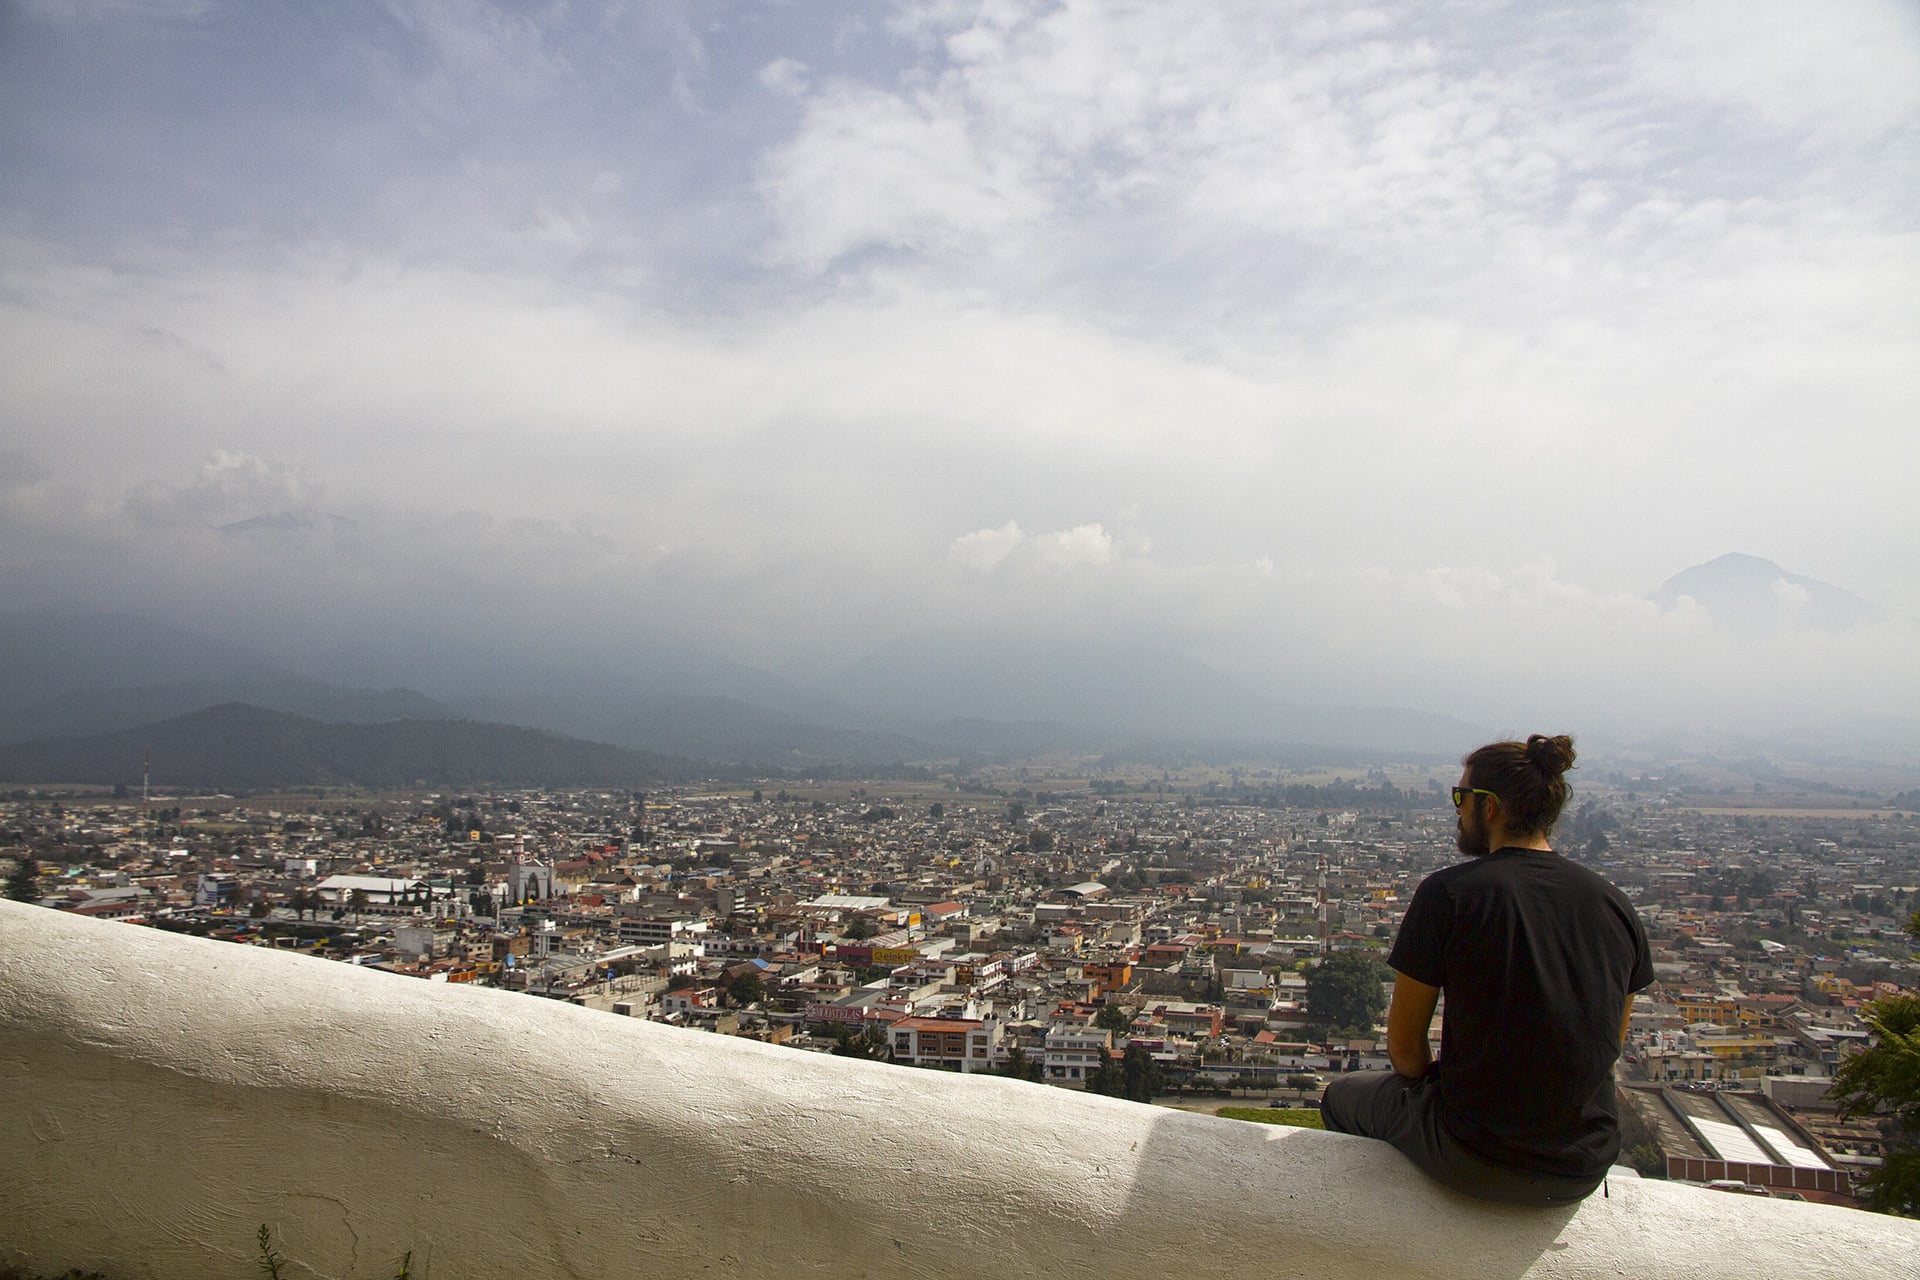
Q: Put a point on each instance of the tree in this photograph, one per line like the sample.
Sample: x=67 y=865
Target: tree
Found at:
x=1021 y=1067
x=1114 y=1018
x=23 y=884
x=744 y=989
x=1141 y=1076
x=1344 y=990
x=1108 y=1078
x=858 y=1044
x=1884 y=1080
x=1640 y=1145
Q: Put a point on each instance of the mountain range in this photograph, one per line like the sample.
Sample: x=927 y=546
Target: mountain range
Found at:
x=235 y=747
x=77 y=690
x=935 y=696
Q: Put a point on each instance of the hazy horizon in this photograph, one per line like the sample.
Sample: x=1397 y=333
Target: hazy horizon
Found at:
x=1387 y=356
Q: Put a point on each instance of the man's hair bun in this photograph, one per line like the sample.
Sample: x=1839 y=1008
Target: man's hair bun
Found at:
x=1528 y=779
x=1552 y=756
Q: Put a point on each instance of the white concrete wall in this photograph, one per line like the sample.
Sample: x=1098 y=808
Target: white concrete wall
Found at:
x=160 y=1097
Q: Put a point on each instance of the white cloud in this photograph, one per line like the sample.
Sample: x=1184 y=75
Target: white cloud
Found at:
x=1790 y=597
x=1220 y=120
x=1360 y=311
x=882 y=171
x=1084 y=544
x=231 y=486
x=787 y=76
x=478 y=49
x=1844 y=72
x=984 y=549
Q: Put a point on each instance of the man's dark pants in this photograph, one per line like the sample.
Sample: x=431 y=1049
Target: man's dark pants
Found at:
x=1406 y=1113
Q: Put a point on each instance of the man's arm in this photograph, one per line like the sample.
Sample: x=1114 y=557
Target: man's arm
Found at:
x=1626 y=1020
x=1407 y=1020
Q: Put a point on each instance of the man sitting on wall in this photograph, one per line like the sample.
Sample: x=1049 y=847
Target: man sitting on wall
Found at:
x=1539 y=959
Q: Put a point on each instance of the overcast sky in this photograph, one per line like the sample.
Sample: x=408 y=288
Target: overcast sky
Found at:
x=1385 y=353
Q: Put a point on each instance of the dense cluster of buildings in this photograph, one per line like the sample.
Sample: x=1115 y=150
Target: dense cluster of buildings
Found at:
x=1039 y=934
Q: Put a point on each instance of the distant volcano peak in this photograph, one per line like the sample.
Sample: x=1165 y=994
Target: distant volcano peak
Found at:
x=1755 y=596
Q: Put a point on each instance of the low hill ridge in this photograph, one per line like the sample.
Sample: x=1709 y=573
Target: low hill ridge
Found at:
x=239 y=747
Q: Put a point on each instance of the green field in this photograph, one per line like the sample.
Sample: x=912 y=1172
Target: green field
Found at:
x=1298 y=1117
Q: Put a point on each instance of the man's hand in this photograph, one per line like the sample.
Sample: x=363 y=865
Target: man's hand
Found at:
x=1407 y=1020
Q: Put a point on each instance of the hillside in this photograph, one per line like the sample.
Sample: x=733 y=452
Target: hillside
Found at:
x=69 y=675
x=236 y=747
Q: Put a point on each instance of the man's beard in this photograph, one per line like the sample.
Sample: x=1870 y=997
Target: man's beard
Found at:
x=1471 y=835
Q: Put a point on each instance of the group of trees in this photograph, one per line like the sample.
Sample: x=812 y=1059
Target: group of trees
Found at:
x=744 y=988
x=1884 y=1080
x=1136 y=1077
x=23 y=882
x=858 y=1044
x=1022 y=1067
x=1585 y=829
x=1640 y=1145
x=1345 y=995
x=1338 y=794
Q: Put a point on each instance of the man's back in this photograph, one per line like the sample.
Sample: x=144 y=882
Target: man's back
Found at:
x=1537 y=957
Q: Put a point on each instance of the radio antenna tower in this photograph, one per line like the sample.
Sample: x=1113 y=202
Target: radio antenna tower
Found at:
x=146 y=775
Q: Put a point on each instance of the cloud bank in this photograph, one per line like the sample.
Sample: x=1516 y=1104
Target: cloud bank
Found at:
x=1391 y=354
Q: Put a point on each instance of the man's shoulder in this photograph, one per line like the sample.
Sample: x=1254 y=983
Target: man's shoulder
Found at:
x=1439 y=882
x=1498 y=865
x=1581 y=874
x=1453 y=871
x=1515 y=865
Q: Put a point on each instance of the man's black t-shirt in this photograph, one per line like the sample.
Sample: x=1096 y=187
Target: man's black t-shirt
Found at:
x=1537 y=957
